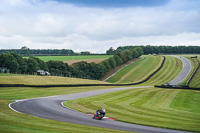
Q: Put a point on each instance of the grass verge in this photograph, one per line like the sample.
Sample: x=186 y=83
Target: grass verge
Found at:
x=194 y=63
x=170 y=70
x=196 y=79
x=174 y=109
x=43 y=80
x=137 y=71
x=12 y=122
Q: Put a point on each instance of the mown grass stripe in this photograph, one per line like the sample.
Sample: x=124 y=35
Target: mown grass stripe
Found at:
x=167 y=73
x=148 y=106
x=137 y=71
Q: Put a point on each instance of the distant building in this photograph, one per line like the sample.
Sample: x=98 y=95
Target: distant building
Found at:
x=43 y=73
x=4 y=70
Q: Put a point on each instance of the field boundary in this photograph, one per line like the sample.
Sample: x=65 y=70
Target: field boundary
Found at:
x=188 y=82
x=82 y=85
x=177 y=87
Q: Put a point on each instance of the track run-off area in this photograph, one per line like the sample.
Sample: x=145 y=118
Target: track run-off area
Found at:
x=52 y=108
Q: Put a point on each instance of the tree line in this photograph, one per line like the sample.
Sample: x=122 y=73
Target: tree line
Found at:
x=25 y=51
x=16 y=64
x=160 y=49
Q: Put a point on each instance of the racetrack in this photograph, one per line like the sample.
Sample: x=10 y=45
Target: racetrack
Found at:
x=52 y=108
x=184 y=73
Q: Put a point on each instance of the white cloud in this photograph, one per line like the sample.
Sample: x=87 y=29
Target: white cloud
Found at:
x=51 y=24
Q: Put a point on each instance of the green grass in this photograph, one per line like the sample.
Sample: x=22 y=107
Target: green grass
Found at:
x=137 y=71
x=196 y=79
x=167 y=73
x=174 y=109
x=67 y=58
x=194 y=63
x=43 y=80
x=141 y=69
x=8 y=74
x=12 y=122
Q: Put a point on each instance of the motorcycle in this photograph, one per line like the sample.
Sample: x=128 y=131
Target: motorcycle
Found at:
x=98 y=116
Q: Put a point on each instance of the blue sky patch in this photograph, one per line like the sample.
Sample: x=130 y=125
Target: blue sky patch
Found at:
x=116 y=3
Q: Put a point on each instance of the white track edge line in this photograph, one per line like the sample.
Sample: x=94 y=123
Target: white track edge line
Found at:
x=14 y=109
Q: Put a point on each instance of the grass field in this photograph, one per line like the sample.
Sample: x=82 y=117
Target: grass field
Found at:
x=175 y=109
x=67 y=58
x=12 y=122
x=43 y=80
x=137 y=71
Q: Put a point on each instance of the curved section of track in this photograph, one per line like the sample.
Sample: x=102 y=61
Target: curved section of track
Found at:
x=184 y=73
x=52 y=108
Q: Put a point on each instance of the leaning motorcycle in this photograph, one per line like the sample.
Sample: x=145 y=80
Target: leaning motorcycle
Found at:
x=98 y=116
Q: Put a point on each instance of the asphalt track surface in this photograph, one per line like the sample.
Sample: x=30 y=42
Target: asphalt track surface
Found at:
x=52 y=108
x=184 y=73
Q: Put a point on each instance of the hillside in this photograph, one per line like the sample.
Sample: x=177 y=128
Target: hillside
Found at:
x=44 y=80
x=137 y=71
x=166 y=108
x=196 y=79
x=141 y=69
x=148 y=106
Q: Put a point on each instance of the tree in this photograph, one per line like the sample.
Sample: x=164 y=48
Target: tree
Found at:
x=135 y=53
x=41 y=64
x=57 y=67
x=85 y=53
x=20 y=62
x=139 y=50
x=111 y=51
x=13 y=66
x=112 y=62
x=25 y=51
x=118 y=60
x=32 y=65
x=8 y=61
x=106 y=64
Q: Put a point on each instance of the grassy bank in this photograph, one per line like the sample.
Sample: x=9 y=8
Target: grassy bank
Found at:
x=167 y=73
x=137 y=71
x=43 y=80
x=175 y=109
x=196 y=79
x=141 y=69
x=194 y=63
x=12 y=122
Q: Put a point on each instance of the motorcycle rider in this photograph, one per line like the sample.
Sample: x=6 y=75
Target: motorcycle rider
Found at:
x=101 y=111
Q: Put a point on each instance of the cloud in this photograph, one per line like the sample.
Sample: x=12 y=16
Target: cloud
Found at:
x=51 y=24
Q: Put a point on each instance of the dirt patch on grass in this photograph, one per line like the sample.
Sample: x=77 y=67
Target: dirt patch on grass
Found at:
x=70 y=62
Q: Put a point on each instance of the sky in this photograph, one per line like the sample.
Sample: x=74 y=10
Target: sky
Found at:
x=97 y=25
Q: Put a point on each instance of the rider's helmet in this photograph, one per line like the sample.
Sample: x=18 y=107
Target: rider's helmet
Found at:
x=104 y=110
